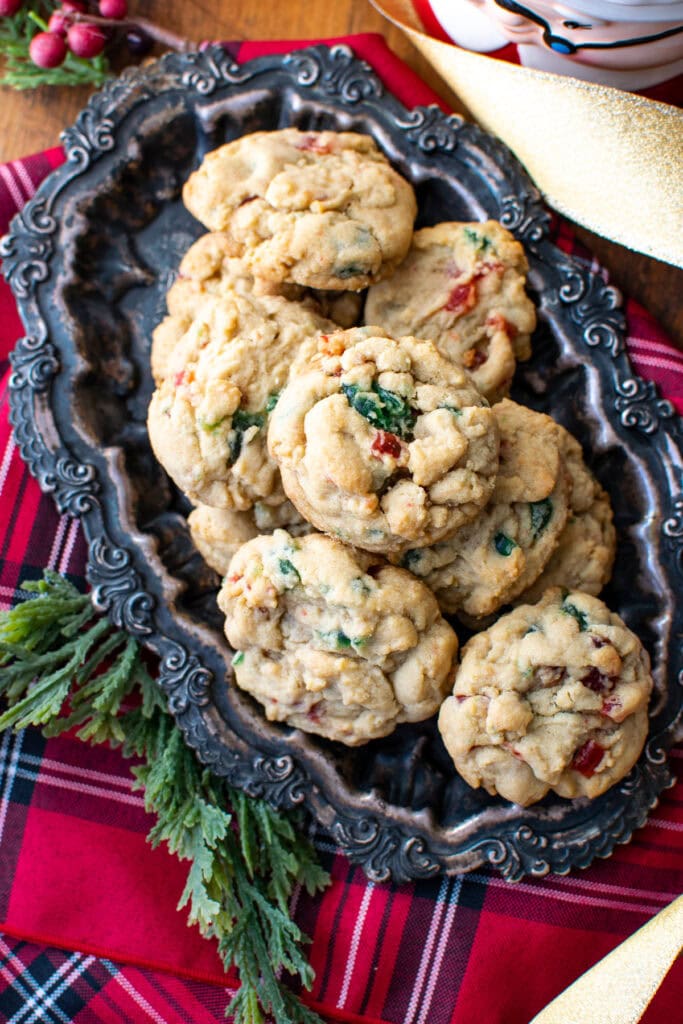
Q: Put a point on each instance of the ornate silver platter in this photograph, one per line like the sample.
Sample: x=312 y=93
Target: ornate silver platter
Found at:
x=90 y=259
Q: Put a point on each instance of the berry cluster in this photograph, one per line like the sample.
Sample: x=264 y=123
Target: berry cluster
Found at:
x=79 y=28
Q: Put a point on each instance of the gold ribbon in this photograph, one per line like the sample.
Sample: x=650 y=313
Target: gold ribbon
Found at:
x=607 y=159
x=619 y=988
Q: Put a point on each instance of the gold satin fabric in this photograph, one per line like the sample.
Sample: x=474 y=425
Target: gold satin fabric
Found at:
x=607 y=159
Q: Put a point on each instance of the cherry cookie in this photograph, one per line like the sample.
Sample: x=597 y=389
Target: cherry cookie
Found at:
x=490 y=561
x=322 y=209
x=383 y=442
x=462 y=286
x=553 y=696
x=334 y=641
x=207 y=420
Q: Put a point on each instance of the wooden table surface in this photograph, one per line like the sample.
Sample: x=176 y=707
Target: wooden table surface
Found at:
x=30 y=121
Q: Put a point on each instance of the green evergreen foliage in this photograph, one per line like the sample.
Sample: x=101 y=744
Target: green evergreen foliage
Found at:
x=62 y=666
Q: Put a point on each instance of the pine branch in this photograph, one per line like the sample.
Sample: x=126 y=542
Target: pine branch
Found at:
x=64 y=667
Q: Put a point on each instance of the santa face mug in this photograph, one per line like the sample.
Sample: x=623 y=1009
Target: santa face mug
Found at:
x=623 y=43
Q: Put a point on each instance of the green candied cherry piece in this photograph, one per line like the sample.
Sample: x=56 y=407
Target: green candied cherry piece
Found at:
x=241 y=422
x=272 y=401
x=350 y=270
x=289 y=571
x=361 y=586
x=238 y=658
x=211 y=428
x=503 y=544
x=451 y=408
x=570 y=609
x=481 y=242
x=541 y=513
x=339 y=641
x=411 y=559
x=383 y=409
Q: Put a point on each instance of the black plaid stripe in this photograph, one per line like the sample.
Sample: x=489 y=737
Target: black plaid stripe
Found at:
x=47 y=985
x=20 y=758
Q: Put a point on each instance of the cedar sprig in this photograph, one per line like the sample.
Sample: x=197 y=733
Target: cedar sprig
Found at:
x=64 y=667
x=17 y=31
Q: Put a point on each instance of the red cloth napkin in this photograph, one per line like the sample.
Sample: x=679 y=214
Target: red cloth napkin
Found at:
x=87 y=908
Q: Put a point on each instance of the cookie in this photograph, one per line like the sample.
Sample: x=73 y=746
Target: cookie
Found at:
x=553 y=696
x=383 y=443
x=488 y=562
x=322 y=209
x=207 y=421
x=462 y=286
x=208 y=268
x=584 y=557
x=208 y=271
x=218 y=532
x=334 y=641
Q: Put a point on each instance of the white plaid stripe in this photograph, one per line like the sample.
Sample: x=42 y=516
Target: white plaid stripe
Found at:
x=440 y=950
x=40 y=1000
x=10 y=753
x=49 y=772
x=140 y=999
x=355 y=942
x=22 y=176
x=434 y=928
x=12 y=186
x=550 y=890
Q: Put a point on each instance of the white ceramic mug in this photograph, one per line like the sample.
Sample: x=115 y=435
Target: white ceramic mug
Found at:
x=623 y=43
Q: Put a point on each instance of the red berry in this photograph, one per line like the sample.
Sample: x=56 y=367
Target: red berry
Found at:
x=9 y=7
x=58 y=23
x=85 y=40
x=47 y=50
x=73 y=7
x=116 y=9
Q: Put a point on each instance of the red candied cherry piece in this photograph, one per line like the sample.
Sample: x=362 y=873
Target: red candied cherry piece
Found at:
x=462 y=298
x=386 y=444
x=314 y=714
x=610 y=705
x=587 y=758
x=474 y=358
x=497 y=322
x=311 y=144
x=597 y=681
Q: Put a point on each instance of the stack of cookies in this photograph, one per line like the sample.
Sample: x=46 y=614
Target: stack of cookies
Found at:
x=331 y=396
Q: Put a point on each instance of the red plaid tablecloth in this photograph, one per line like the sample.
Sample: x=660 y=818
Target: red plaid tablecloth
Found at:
x=89 y=928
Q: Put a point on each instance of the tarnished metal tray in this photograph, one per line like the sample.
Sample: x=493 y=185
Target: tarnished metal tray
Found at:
x=90 y=260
